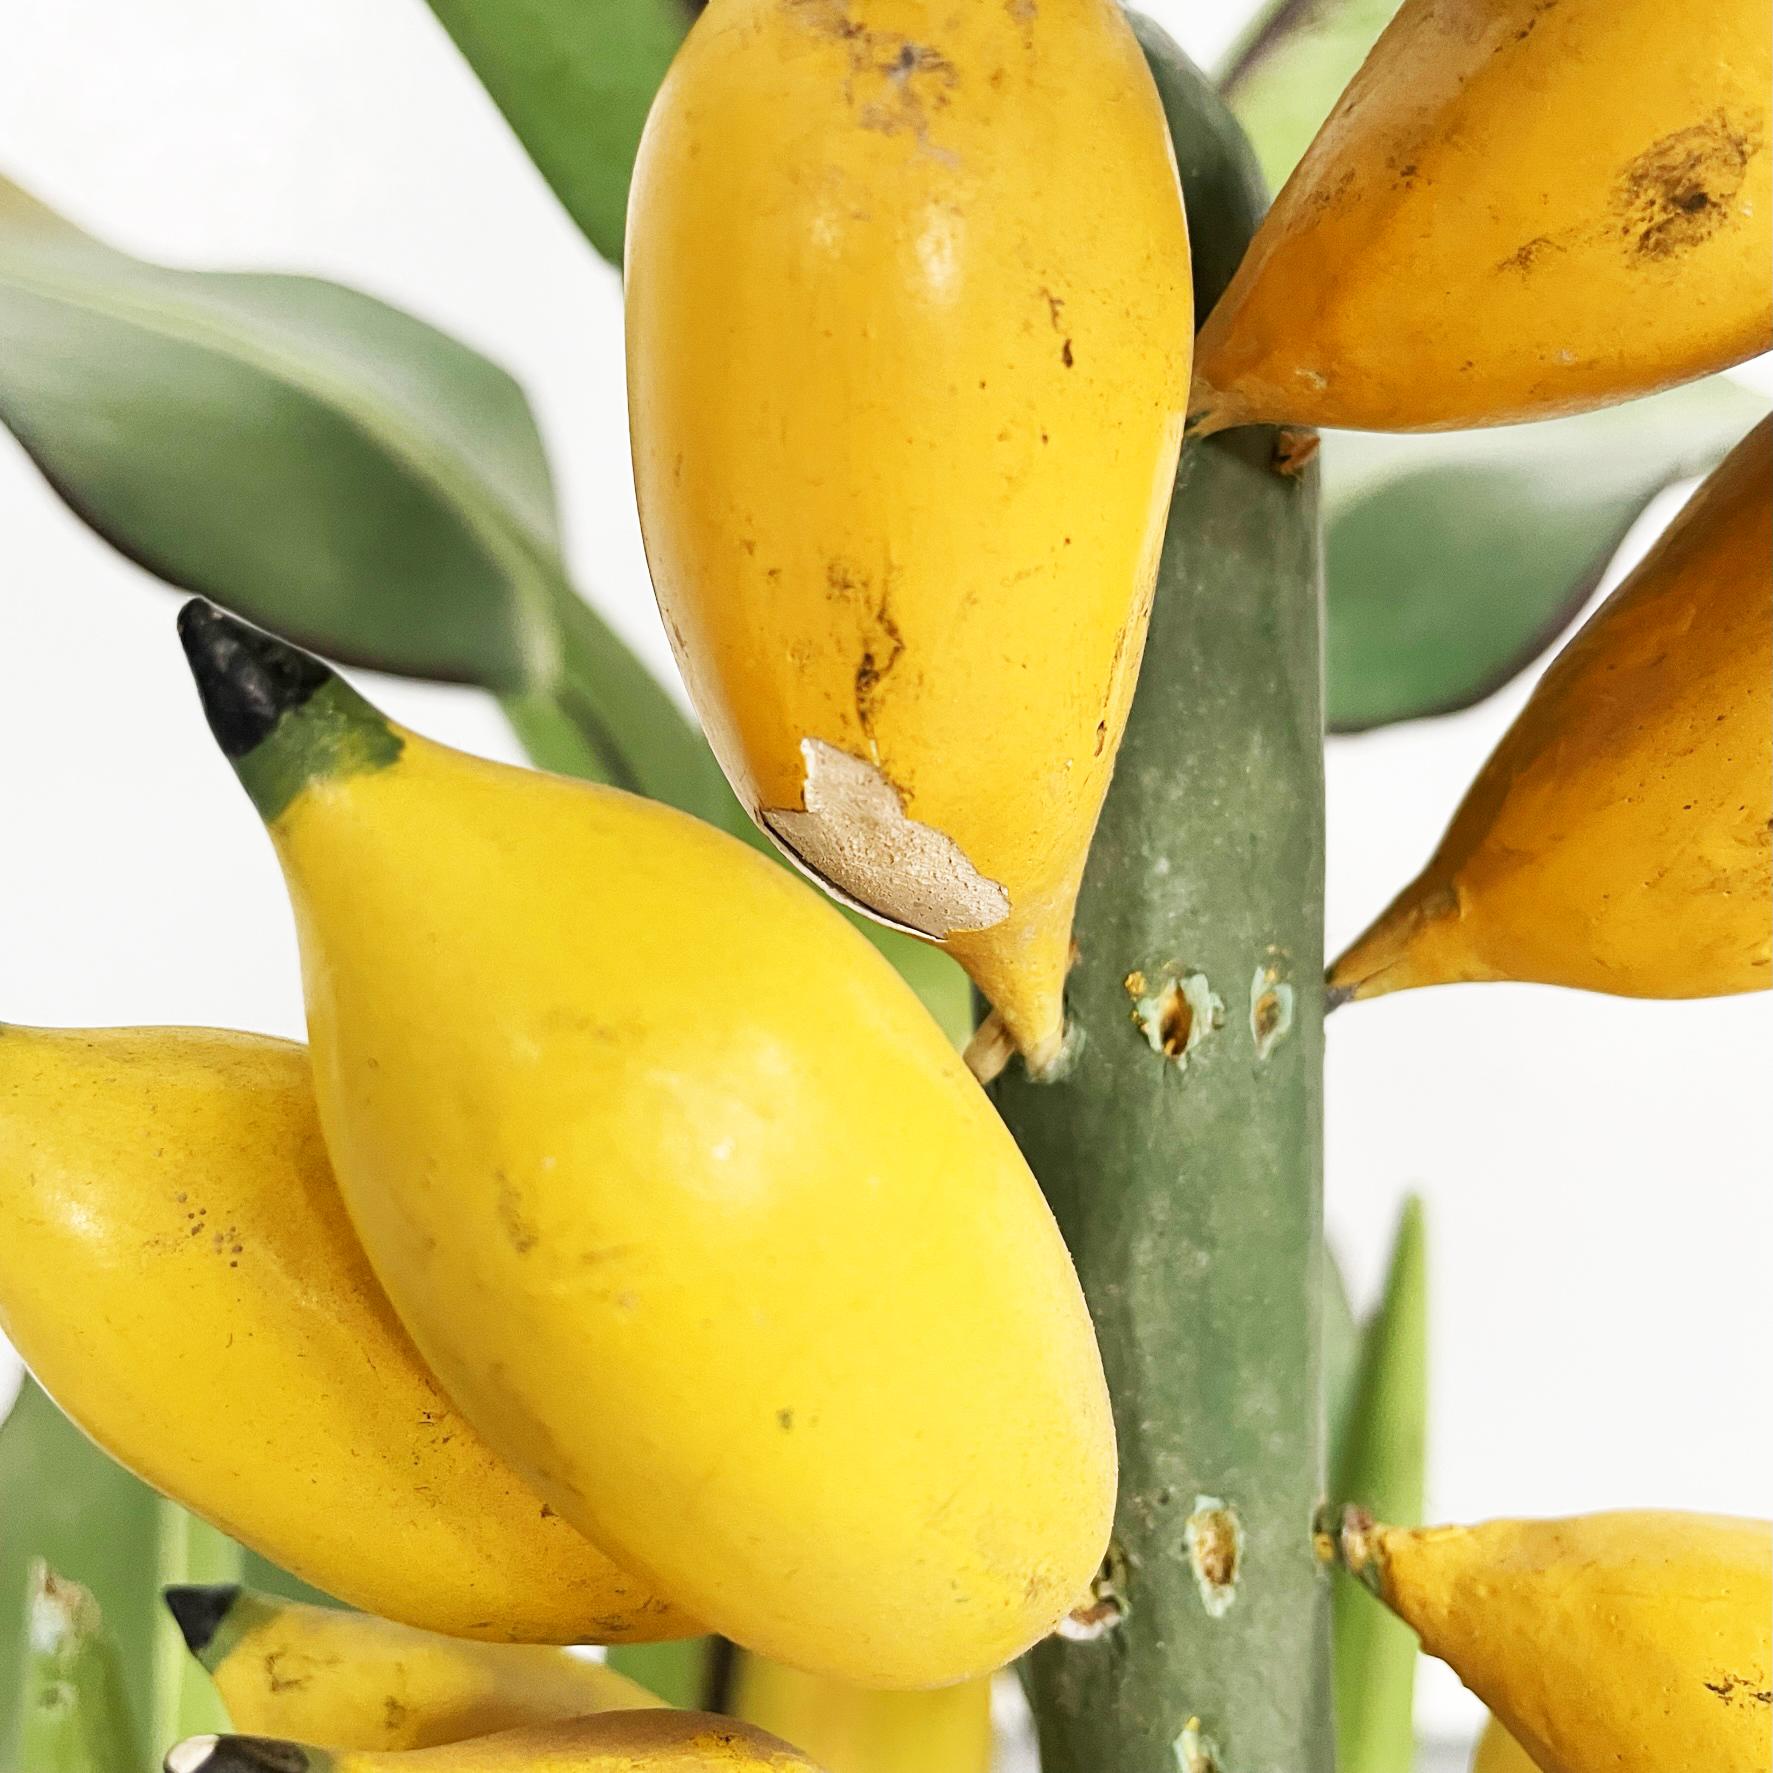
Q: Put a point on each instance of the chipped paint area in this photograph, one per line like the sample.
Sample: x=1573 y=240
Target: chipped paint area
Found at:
x=1094 y=1618
x=1197 y=1752
x=1272 y=1007
x=853 y=835
x=1176 y=1015
x=1215 y=1539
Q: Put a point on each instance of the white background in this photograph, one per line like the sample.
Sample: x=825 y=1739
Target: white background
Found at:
x=1595 y=1169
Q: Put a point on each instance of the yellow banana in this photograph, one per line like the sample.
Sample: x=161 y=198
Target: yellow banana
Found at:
x=1607 y=1643
x=178 y=1272
x=353 y=1681
x=1518 y=208
x=1498 y=1752
x=1617 y=839
x=850 y=1729
x=614 y=1742
x=682 y=1193
x=907 y=371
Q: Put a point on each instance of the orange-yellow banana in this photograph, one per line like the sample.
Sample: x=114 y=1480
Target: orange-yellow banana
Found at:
x=683 y=1194
x=352 y=1681
x=1518 y=208
x=850 y=1729
x=178 y=1271
x=612 y=1742
x=1498 y=1752
x=1617 y=840
x=1608 y=1643
x=909 y=323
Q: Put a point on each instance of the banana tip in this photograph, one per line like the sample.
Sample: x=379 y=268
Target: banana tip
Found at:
x=247 y=679
x=199 y=1612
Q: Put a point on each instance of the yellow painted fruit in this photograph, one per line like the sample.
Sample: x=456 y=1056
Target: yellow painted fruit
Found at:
x=682 y=1192
x=1498 y=1752
x=178 y=1271
x=1518 y=208
x=1606 y=1643
x=1617 y=839
x=353 y=1681
x=850 y=1729
x=614 y=1742
x=909 y=323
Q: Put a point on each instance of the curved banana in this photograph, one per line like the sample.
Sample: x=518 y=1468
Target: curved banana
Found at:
x=1607 y=1643
x=849 y=1729
x=613 y=1742
x=906 y=382
x=1617 y=839
x=353 y=1681
x=682 y=1193
x=1498 y=1752
x=1518 y=208
x=178 y=1272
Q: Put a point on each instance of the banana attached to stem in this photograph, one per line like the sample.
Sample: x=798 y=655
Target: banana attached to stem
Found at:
x=1518 y=208
x=352 y=1681
x=1618 y=838
x=1633 y=1642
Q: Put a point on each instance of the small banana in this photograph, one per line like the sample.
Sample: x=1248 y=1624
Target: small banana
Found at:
x=1518 y=208
x=849 y=1729
x=178 y=1271
x=686 y=1199
x=1617 y=840
x=353 y=1681
x=1607 y=1643
x=1498 y=1752
x=906 y=379
x=612 y=1742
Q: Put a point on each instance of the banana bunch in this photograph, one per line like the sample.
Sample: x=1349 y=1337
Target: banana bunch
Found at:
x=1609 y=1643
x=612 y=1742
x=906 y=383
x=1518 y=208
x=1618 y=838
x=686 y=1201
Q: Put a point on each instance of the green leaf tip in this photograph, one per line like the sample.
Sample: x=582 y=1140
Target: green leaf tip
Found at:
x=241 y=1754
x=280 y=716
x=199 y=1612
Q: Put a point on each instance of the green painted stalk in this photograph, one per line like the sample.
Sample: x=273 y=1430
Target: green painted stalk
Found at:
x=1380 y=1467
x=73 y=1713
x=191 y=1553
x=1189 y=1186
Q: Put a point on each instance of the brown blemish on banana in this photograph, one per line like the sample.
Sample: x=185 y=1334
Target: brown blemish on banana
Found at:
x=1215 y=1539
x=893 y=84
x=1176 y=1015
x=1681 y=189
x=852 y=834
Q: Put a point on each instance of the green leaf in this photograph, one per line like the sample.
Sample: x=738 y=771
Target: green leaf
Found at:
x=74 y=1717
x=323 y=463
x=1454 y=561
x=1341 y=1360
x=1381 y=1467
x=64 y=1501
x=189 y=1552
x=575 y=79
x=1289 y=69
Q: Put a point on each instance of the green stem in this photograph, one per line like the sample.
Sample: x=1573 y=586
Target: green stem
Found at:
x=189 y=1552
x=1181 y=1148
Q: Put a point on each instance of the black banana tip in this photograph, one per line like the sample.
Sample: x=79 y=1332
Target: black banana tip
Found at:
x=237 y=1754
x=200 y=1611
x=248 y=679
